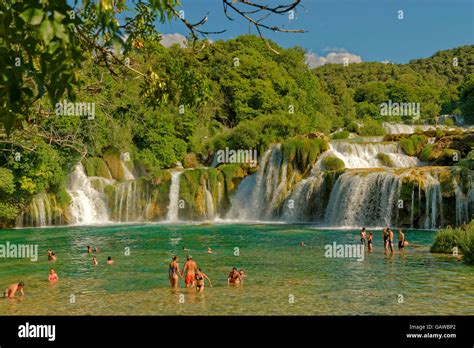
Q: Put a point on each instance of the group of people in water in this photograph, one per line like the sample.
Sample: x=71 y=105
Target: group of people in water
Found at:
x=193 y=275
x=387 y=234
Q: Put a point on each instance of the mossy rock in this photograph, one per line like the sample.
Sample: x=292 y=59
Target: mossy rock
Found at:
x=385 y=159
x=333 y=163
x=427 y=154
x=413 y=145
x=95 y=166
x=114 y=163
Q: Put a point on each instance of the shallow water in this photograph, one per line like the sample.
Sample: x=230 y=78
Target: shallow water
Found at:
x=278 y=270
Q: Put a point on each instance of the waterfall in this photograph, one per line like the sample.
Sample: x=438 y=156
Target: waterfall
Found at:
x=41 y=212
x=259 y=194
x=209 y=205
x=400 y=128
x=368 y=155
x=173 y=206
x=364 y=199
x=127 y=174
x=87 y=206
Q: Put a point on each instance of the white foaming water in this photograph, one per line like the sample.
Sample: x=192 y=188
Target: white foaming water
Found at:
x=127 y=174
x=174 y=197
x=400 y=128
x=87 y=206
x=259 y=194
x=368 y=155
x=360 y=199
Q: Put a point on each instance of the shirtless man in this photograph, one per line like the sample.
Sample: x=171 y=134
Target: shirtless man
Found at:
x=390 y=240
x=200 y=276
x=401 y=239
x=190 y=269
x=363 y=236
x=94 y=261
x=234 y=277
x=369 y=241
x=385 y=238
x=11 y=291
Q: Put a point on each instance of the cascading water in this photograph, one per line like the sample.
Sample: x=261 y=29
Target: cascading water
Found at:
x=87 y=206
x=259 y=194
x=173 y=206
x=360 y=198
x=368 y=155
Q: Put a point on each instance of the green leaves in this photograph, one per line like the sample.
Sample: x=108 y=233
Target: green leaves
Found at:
x=46 y=31
x=32 y=16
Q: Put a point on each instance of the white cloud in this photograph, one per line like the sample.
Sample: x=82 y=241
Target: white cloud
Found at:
x=313 y=60
x=168 y=40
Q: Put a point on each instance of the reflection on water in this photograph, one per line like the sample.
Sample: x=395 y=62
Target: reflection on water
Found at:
x=278 y=271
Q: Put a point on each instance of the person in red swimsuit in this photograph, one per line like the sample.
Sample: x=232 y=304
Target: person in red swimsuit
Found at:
x=190 y=268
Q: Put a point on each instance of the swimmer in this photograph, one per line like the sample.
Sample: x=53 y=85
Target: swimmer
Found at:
x=11 y=291
x=94 y=261
x=401 y=240
x=52 y=277
x=234 y=277
x=89 y=250
x=369 y=241
x=174 y=272
x=50 y=255
x=109 y=260
x=209 y=250
x=97 y=249
x=200 y=276
x=363 y=236
x=242 y=274
x=302 y=244
x=390 y=240
x=189 y=269
x=385 y=238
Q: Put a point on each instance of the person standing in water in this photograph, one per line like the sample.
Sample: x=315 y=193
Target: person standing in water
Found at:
x=390 y=240
x=234 y=277
x=401 y=240
x=89 y=249
x=94 y=261
x=363 y=236
x=174 y=273
x=200 y=276
x=385 y=239
x=53 y=277
x=11 y=291
x=109 y=260
x=369 y=241
x=190 y=269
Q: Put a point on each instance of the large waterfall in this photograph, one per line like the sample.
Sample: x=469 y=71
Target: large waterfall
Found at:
x=87 y=206
x=173 y=207
x=380 y=186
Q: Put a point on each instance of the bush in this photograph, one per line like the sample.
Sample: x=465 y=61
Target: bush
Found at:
x=340 y=135
x=353 y=127
x=333 y=163
x=371 y=127
x=427 y=154
x=462 y=238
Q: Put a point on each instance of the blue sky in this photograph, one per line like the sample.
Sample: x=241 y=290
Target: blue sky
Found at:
x=366 y=28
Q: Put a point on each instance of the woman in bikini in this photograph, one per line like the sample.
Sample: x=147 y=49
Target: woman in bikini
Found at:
x=234 y=277
x=200 y=276
x=174 y=273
